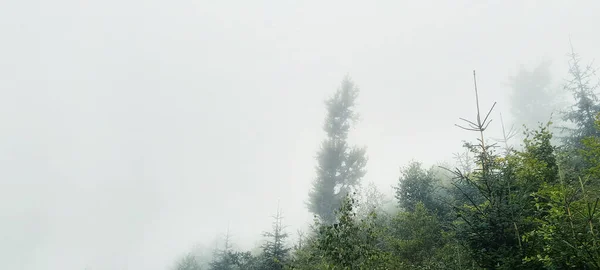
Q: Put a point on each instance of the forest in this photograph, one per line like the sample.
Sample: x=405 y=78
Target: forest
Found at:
x=528 y=200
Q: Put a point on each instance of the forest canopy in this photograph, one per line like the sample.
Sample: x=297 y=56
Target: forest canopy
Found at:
x=528 y=204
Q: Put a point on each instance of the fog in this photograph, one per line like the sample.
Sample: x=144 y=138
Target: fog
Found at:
x=135 y=130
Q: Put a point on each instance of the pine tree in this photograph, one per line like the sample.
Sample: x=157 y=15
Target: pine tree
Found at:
x=582 y=114
x=222 y=258
x=188 y=262
x=275 y=251
x=340 y=167
x=487 y=222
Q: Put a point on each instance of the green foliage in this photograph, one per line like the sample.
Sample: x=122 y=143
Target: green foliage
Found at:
x=591 y=153
x=567 y=236
x=223 y=260
x=339 y=166
x=245 y=261
x=493 y=227
x=453 y=255
x=416 y=235
x=518 y=214
x=350 y=244
x=410 y=240
x=581 y=114
x=489 y=228
x=534 y=208
x=306 y=256
x=417 y=186
x=275 y=252
x=236 y=260
x=538 y=160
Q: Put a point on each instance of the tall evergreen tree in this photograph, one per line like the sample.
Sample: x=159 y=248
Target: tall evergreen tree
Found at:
x=222 y=258
x=533 y=97
x=340 y=167
x=581 y=115
x=275 y=250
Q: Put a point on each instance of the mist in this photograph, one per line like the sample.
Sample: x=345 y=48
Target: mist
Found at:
x=134 y=131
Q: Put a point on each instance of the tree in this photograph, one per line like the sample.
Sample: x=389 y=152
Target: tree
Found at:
x=417 y=235
x=488 y=224
x=228 y=259
x=351 y=243
x=591 y=153
x=340 y=167
x=188 y=262
x=529 y=207
x=275 y=251
x=244 y=261
x=566 y=215
x=222 y=258
x=416 y=185
x=371 y=200
x=533 y=98
x=582 y=114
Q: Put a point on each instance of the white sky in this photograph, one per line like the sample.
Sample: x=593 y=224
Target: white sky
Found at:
x=132 y=130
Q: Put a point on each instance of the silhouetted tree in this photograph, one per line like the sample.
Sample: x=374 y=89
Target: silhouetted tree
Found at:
x=340 y=167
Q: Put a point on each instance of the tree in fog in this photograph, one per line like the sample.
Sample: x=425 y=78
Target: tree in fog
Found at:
x=371 y=199
x=583 y=85
x=222 y=257
x=340 y=167
x=275 y=250
x=188 y=262
x=416 y=185
x=533 y=98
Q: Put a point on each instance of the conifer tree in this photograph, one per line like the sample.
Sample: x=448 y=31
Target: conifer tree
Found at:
x=275 y=250
x=188 y=262
x=581 y=115
x=488 y=223
x=340 y=167
x=222 y=258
